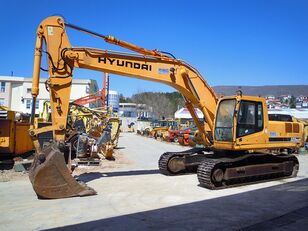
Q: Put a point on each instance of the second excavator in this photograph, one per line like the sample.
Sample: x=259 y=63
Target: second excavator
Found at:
x=241 y=143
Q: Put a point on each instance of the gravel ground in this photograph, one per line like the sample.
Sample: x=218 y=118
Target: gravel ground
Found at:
x=11 y=175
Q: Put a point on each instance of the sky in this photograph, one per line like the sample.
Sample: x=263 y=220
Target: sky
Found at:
x=230 y=42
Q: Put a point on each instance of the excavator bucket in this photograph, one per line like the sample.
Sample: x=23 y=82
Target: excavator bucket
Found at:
x=50 y=177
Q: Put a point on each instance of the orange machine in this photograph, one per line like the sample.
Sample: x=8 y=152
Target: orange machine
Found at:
x=236 y=133
x=14 y=137
x=94 y=96
x=88 y=99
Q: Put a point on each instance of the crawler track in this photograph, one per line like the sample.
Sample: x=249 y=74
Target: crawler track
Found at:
x=223 y=173
x=217 y=172
x=164 y=161
x=183 y=162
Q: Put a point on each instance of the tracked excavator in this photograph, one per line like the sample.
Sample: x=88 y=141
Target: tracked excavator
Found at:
x=237 y=134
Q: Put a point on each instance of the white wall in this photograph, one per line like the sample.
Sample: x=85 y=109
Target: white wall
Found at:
x=20 y=95
x=79 y=90
x=17 y=93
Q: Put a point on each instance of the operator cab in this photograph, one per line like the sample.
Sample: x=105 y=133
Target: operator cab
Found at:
x=236 y=118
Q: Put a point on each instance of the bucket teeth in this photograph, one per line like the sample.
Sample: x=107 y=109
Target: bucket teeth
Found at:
x=50 y=177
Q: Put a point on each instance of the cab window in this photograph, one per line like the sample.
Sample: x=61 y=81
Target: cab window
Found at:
x=224 y=120
x=249 y=119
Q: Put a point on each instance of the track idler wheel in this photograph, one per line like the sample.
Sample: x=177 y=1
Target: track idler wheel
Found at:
x=218 y=175
x=209 y=175
x=50 y=177
x=295 y=167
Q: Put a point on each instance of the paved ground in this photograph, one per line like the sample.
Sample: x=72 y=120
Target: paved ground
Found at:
x=132 y=195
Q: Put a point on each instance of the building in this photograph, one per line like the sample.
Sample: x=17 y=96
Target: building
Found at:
x=305 y=104
x=302 y=101
x=137 y=114
x=113 y=100
x=15 y=92
x=285 y=98
x=140 y=111
x=302 y=98
x=144 y=112
x=270 y=97
x=128 y=110
x=184 y=115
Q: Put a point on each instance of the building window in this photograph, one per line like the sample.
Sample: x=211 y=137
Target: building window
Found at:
x=2 y=88
x=28 y=90
x=28 y=103
x=1 y=102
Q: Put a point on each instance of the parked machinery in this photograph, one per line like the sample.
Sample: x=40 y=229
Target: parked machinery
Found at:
x=131 y=127
x=235 y=134
x=160 y=129
x=91 y=133
x=189 y=136
x=113 y=125
x=14 y=136
x=174 y=132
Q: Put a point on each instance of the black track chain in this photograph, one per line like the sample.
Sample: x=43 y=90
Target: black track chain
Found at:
x=163 y=163
x=204 y=173
x=164 y=159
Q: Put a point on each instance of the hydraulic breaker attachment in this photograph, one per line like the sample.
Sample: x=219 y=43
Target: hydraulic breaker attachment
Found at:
x=51 y=178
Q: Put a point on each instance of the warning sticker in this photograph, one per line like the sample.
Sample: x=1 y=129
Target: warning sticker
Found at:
x=50 y=30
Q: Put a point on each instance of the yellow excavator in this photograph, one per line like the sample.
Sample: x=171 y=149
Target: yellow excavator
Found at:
x=237 y=133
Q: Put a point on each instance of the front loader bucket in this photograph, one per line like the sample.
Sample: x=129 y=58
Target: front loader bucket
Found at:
x=50 y=177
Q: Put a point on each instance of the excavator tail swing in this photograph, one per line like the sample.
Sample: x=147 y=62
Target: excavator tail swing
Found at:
x=50 y=177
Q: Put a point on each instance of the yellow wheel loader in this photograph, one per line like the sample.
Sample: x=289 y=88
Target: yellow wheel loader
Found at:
x=237 y=133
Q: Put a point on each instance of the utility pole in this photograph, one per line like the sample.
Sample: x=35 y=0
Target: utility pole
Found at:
x=104 y=93
x=107 y=91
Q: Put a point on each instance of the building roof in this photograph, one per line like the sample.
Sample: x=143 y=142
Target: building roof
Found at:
x=128 y=104
x=183 y=113
x=112 y=92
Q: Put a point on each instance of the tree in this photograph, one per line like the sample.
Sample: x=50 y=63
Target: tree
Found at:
x=292 y=102
x=162 y=104
x=123 y=99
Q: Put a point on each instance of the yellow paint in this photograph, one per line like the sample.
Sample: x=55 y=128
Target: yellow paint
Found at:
x=14 y=136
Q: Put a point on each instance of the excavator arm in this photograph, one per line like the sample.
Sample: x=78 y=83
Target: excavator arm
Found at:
x=144 y=64
x=49 y=175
